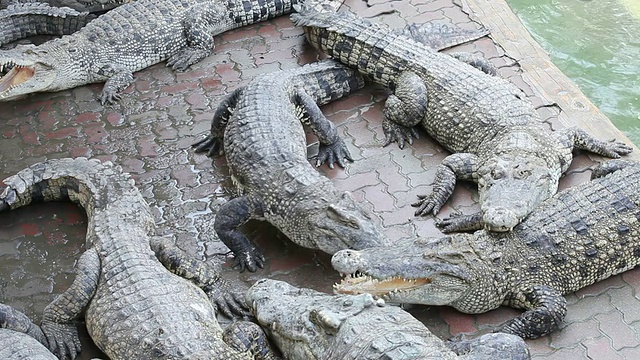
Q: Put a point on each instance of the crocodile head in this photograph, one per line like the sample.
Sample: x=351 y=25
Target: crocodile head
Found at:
x=28 y=69
x=510 y=187
x=307 y=324
x=432 y=271
x=343 y=225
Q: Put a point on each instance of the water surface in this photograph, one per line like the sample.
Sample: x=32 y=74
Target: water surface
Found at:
x=596 y=44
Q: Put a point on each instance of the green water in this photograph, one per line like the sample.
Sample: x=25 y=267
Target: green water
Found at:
x=597 y=44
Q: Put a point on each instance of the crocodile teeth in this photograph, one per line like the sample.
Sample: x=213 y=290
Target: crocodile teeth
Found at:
x=366 y=284
x=15 y=76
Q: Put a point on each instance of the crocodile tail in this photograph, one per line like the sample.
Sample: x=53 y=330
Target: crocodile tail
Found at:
x=90 y=183
x=21 y=20
x=309 y=14
x=329 y=80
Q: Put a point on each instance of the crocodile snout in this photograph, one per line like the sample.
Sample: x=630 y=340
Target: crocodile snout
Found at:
x=500 y=219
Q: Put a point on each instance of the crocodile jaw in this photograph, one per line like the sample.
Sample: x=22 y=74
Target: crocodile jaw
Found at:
x=23 y=77
x=16 y=76
x=361 y=284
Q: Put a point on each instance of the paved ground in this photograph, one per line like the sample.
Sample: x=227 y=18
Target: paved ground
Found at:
x=150 y=131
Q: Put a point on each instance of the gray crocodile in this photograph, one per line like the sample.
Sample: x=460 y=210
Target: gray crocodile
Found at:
x=307 y=324
x=78 y=5
x=23 y=19
x=134 y=308
x=496 y=135
x=580 y=236
x=21 y=339
x=29 y=19
x=126 y=39
x=258 y=127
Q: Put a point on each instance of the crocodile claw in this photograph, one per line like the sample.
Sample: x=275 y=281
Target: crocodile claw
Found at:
x=211 y=145
x=333 y=153
x=427 y=204
x=249 y=259
x=394 y=132
x=187 y=57
x=456 y=223
x=109 y=97
x=228 y=302
x=62 y=338
x=614 y=149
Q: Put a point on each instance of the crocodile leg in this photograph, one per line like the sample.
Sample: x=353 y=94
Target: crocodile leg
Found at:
x=231 y=216
x=404 y=109
x=577 y=138
x=547 y=307
x=476 y=61
x=462 y=166
x=225 y=299
x=246 y=336
x=212 y=144
x=59 y=315
x=119 y=79
x=13 y=319
x=332 y=147
x=201 y=22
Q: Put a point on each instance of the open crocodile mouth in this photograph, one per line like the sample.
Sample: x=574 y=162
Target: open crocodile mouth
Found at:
x=360 y=284
x=12 y=75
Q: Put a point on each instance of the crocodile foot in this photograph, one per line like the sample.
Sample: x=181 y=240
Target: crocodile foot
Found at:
x=211 y=145
x=63 y=339
x=228 y=301
x=458 y=222
x=394 y=132
x=614 y=149
x=333 y=153
x=187 y=57
x=427 y=204
x=250 y=259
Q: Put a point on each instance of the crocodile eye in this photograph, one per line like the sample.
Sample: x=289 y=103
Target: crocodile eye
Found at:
x=497 y=174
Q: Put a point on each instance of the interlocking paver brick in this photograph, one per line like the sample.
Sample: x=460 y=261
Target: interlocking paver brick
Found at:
x=576 y=352
x=586 y=307
x=600 y=348
x=574 y=333
x=620 y=333
x=150 y=131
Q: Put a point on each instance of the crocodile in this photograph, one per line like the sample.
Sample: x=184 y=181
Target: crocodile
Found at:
x=307 y=324
x=259 y=129
x=133 y=306
x=494 y=132
x=129 y=38
x=78 y=5
x=579 y=236
x=29 y=19
x=21 y=339
x=23 y=19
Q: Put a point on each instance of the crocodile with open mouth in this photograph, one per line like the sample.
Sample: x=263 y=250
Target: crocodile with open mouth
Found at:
x=129 y=38
x=579 y=236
